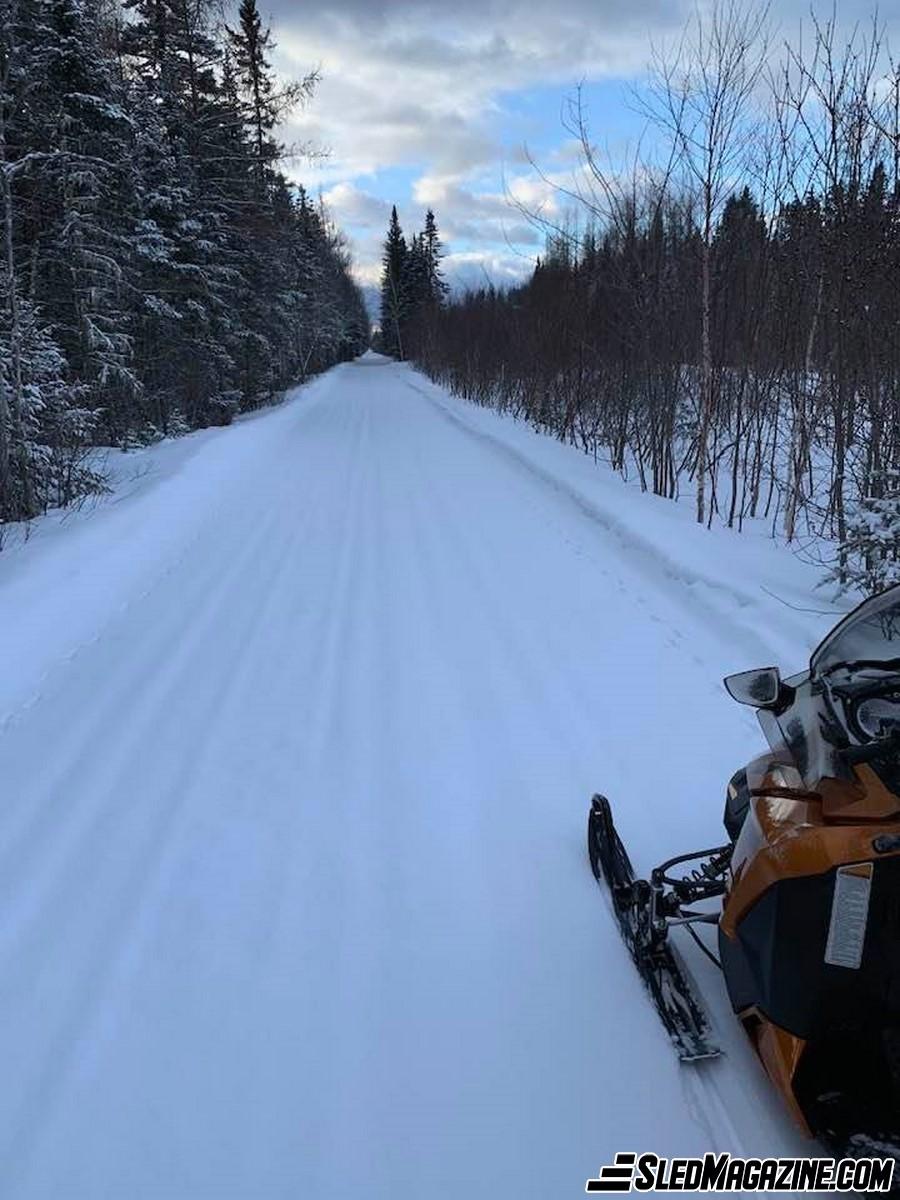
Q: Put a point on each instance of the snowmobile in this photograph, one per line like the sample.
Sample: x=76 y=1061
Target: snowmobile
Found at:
x=804 y=893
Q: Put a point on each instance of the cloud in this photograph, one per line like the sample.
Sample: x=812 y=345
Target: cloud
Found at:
x=477 y=269
x=351 y=206
x=429 y=91
x=423 y=103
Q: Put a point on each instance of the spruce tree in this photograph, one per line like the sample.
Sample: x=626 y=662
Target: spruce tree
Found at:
x=249 y=45
x=433 y=252
x=416 y=277
x=86 y=190
x=264 y=103
x=393 y=299
x=26 y=54
x=157 y=271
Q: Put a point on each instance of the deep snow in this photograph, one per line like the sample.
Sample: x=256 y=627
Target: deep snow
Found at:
x=297 y=737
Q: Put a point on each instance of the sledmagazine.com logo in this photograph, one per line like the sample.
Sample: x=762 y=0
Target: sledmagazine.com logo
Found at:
x=722 y=1173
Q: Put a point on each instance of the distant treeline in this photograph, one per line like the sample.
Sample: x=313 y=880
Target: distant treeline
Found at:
x=745 y=340
x=157 y=272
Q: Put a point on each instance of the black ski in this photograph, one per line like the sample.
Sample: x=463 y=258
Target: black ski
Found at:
x=657 y=962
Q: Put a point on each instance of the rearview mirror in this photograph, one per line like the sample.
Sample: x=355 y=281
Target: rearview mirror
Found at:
x=760 y=688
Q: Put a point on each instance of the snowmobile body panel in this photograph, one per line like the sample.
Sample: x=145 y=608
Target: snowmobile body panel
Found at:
x=779 y=1052
x=789 y=833
x=799 y=994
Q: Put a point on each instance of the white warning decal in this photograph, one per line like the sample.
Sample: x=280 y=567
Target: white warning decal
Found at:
x=849 y=913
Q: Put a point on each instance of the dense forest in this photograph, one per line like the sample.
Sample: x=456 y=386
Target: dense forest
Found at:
x=157 y=271
x=726 y=321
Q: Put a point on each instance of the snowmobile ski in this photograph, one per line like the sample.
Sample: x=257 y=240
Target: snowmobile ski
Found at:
x=658 y=964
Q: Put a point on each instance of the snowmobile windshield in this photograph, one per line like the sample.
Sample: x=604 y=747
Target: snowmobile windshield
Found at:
x=868 y=639
x=797 y=734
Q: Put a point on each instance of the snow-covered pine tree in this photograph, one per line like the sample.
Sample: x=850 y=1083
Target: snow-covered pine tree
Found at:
x=25 y=56
x=158 y=272
x=330 y=322
x=268 y=302
x=85 y=189
x=47 y=453
x=869 y=556
x=192 y=200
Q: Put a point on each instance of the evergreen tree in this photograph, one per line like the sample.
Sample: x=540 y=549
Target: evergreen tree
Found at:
x=870 y=551
x=433 y=251
x=264 y=104
x=249 y=45
x=25 y=57
x=53 y=428
x=157 y=271
x=393 y=279
x=415 y=278
x=85 y=189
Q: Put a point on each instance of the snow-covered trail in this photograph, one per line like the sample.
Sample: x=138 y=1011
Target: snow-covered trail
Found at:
x=295 y=761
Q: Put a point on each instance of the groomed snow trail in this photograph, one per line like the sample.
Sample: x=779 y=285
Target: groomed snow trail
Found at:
x=295 y=762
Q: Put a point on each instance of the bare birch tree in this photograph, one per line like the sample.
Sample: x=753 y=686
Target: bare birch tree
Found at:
x=701 y=95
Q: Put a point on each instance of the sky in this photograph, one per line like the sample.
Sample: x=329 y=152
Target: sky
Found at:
x=442 y=105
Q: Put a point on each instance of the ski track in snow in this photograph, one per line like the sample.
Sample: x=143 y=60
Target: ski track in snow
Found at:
x=296 y=759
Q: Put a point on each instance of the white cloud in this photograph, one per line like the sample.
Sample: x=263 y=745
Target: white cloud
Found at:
x=430 y=88
x=477 y=269
x=421 y=87
x=348 y=204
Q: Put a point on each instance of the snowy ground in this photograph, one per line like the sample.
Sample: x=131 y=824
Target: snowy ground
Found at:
x=297 y=737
